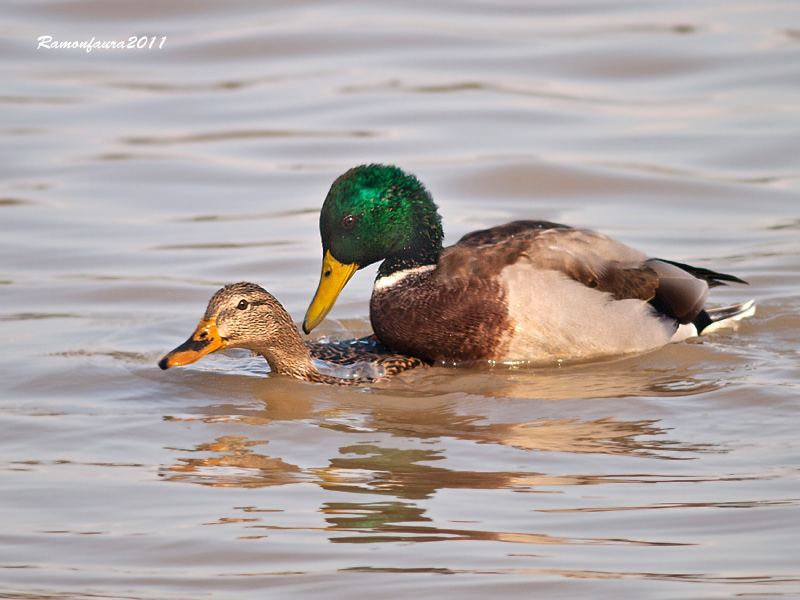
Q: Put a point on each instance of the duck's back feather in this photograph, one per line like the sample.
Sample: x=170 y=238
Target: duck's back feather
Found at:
x=590 y=258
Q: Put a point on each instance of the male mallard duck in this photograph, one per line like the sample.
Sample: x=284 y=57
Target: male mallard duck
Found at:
x=526 y=291
x=244 y=315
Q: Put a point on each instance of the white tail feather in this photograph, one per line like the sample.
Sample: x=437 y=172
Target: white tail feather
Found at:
x=726 y=317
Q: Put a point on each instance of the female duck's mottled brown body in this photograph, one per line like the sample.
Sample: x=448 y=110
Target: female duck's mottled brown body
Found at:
x=530 y=291
x=244 y=315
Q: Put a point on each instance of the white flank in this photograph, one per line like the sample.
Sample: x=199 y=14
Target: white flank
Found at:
x=556 y=317
x=684 y=332
x=386 y=282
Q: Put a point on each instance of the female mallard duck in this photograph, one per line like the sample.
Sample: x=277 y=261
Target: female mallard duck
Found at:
x=244 y=315
x=526 y=291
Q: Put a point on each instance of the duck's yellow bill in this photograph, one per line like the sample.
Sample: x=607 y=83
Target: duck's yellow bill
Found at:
x=204 y=340
x=333 y=278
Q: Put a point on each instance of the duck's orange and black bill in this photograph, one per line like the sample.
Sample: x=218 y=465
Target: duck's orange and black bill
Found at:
x=333 y=278
x=204 y=340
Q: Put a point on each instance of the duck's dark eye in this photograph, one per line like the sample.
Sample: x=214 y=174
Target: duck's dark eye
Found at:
x=243 y=304
x=348 y=221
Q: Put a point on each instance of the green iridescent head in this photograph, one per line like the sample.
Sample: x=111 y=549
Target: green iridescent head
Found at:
x=373 y=213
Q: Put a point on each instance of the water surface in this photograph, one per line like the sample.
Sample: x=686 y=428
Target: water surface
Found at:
x=135 y=182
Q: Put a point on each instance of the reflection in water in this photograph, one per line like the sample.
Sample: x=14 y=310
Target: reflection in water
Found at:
x=393 y=472
x=389 y=522
x=235 y=466
x=599 y=436
x=386 y=467
x=600 y=575
x=605 y=436
x=374 y=469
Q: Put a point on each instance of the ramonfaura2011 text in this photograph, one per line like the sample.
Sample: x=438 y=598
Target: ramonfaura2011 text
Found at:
x=134 y=42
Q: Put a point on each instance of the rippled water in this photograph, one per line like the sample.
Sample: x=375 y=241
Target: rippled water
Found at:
x=134 y=182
